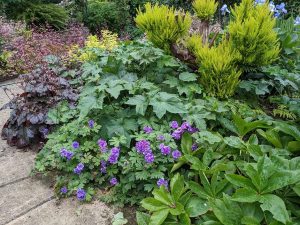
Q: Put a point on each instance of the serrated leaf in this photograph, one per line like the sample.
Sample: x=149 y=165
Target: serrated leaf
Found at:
x=186 y=76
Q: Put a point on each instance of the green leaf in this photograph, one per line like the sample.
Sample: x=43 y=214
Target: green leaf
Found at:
x=276 y=206
x=196 y=164
x=177 y=210
x=184 y=219
x=234 y=142
x=245 y=195
x=271 y=136
x=119 y=219
x=177 y=186
x=152 y=204
x=163 y=196
x=140 y=103
x=196 y=207
x=142 y=218
x=210 y=137
x=239 y=181
x=186 y=143
x=198 y=190
x=186 y=76
x=158 y=217
x=87 y=103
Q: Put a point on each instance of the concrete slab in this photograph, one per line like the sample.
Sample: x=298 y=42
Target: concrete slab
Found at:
x=67 y=212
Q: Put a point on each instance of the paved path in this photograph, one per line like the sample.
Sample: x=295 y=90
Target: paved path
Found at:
x=29 y=201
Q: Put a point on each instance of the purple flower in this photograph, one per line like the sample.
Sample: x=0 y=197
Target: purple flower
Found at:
x=66 y=154
x=224 y=9
x=75 y=145
x=64 y=190
x=113 y=181
x=114 y=155
x=79 y=168
x=194 y=147
x=81 y=194
x=162 y=182
x=149 y=157
x=143 y=146
x=185 y=125
x=174 y=125
x=148 y=129
x=44 y=131
x=102 y=145
x=103 y=166
x=91 y=123
x=165 y=150
x=161 y=138
x=177 y=133
x=176 y=154
x=193 y=130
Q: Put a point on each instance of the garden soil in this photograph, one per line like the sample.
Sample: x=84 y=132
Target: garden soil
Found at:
x=26 y=200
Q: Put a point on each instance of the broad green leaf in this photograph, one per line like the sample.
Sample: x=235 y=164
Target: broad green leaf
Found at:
x=296 y=189
x=198 y=190
x=294 y=146
x=271 y=136
x=210 y=137
x=177 y=209
x=196 y=207
x=186 y=76
x=239 y=181
x=185 y=197
x=158 y=217
x=196 y=164
x=185 y=219
x=142 y=218
x=234 y=142
x=87 y=103
x=163 y=196
x=186 y=143
x=177 y=186
x=119 y=219
x=276 y=206
x=152 y=204
x=140 y=103
x=245 y=195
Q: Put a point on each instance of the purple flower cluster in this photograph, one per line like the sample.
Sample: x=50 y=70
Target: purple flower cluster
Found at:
x=64 y=190
x=91 y=124
x=78 y=169
x=162 y=182
x=75 y=144
x=148 y=129
x=143 y=147
x=194 y=147
x=114 y=155
x=278 y=10
x=103 y=167
x=66 y=154
x=179 y=130
x=113 y=181
x=165 y=150
x=176 y=154
x=160 y=137
x=81 y=194
x=102 y=145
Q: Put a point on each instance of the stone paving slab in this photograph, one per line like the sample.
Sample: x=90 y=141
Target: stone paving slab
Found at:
x=18 y=198
x=67 y=212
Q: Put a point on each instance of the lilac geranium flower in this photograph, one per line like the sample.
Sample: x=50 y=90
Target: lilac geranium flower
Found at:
x=75 y=144
x=177 y=133
x=160 y=137
x=148 y=129
x=176 y=154
x=113 y=181
x=102 y=145
x=224 y=9
x=81 y=194
x=174 y=125
x=162 y=182
x=143 y=146
x=64 y=190
x=91 y=124
x=66 y=154
x=78 y=169
x=103 y=167
x=114 y=155
x=281 y=7
x=149 y=157
x=165 y=150
x=194 y=147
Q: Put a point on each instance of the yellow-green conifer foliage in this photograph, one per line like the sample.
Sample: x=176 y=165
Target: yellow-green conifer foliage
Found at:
x=251 y=34
x=219 y=74
x=205 y=9
x=163 y=25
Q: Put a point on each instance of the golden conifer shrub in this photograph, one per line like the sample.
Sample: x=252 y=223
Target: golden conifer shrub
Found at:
x=163 y=25
x=205 y=9
x=251 y=33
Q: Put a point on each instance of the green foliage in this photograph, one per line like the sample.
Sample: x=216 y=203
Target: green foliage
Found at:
x=218 y=73
x=251 y=34
x=103 y=14
x=163 y=25
x=205 y=9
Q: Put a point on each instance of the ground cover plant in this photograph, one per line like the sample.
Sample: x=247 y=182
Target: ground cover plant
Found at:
x=193 y=126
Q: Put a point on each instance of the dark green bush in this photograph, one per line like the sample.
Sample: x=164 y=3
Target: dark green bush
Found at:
x=46 y=14
x=103 y=15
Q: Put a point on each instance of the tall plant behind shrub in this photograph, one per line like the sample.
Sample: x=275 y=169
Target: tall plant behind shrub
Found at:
x=163 y=25
x=252 y=35
x=102 y=15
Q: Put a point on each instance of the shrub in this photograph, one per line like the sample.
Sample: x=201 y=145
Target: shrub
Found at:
x=205 y=9
x=251 y=34
x=42 y=89
x=103 y=15
x=163 y=25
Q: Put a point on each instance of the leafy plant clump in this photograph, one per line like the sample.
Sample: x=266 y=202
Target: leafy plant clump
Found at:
x=42 y=90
